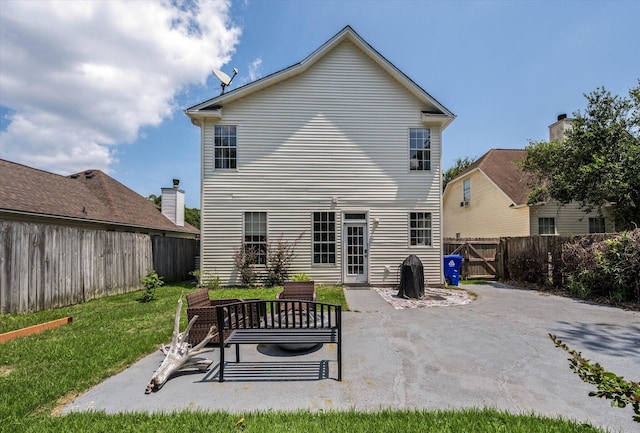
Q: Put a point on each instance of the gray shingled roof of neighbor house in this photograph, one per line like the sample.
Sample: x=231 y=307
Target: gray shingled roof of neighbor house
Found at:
x=87 y=196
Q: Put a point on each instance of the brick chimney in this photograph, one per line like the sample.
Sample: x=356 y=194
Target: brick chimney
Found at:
x=173 y=203
x=558 y=130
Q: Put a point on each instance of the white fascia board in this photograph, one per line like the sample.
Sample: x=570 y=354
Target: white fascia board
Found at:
x=441 y=119
x=197 y=117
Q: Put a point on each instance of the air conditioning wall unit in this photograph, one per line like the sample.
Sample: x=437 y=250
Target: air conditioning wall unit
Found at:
x=464 y=203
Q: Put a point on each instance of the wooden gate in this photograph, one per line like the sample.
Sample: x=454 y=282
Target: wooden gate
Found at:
x=480 y=256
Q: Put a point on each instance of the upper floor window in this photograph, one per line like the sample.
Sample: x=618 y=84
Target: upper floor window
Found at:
x=255 y=235
x=419 y=149
x=596 y=225
x=324 y=238
x=546 y=226
x=420 y=228
x=224 y=146
x=466 y=191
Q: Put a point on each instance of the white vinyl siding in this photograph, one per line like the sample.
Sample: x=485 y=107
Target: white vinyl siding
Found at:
x=309 y=145
x=570 y=219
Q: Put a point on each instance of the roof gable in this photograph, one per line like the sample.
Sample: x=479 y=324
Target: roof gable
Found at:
x=90 y=196
x=501 y=167
x=436 y=112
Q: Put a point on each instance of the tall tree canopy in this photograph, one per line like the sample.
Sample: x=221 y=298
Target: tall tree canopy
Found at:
x=459 y=166
x=598 y=162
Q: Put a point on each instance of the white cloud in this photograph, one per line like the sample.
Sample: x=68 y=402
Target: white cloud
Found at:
x=78 y=77
x=254 y=69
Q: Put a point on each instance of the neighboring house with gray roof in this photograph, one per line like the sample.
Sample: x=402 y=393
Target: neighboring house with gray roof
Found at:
x=89 y=199
x=490 y=198
x=68 y=239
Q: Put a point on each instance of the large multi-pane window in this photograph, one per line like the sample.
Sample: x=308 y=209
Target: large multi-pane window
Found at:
x=324 y=238
x=596 y=225
x=224 y=146
x=419 y=149
x=420 y=228
x=255 y=235
x=546 y=226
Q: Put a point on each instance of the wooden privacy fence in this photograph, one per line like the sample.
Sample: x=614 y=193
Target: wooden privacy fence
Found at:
x=535 y=259
x=45 y=266
x=174 y=258
x=480 y=256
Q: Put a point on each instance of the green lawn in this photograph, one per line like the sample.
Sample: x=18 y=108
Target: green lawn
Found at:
x=41 y=372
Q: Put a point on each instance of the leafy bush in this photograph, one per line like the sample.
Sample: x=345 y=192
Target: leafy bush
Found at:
x=280 y=255
x=610 y=386
x=150 y=283
x=609 y=267
x=301 y=277
x=245 y=258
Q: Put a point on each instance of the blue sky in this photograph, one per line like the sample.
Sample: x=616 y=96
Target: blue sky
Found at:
x=103 y=84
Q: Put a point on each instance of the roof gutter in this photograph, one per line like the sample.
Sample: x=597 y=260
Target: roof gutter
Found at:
x=87 y=221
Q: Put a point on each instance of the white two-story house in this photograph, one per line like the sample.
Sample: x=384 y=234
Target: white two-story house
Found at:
x=341 y=151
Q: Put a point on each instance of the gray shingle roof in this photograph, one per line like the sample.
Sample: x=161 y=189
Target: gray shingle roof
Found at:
x=90 y=196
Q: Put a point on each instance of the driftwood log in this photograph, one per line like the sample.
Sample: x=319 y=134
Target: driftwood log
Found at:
x=179 y=355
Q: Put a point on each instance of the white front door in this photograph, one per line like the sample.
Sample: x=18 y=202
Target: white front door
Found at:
x=356 y=254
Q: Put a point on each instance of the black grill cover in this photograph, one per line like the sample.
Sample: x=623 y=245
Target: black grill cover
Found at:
x=411 y=278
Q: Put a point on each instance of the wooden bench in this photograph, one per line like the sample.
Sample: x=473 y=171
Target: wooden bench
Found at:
x=280 y=322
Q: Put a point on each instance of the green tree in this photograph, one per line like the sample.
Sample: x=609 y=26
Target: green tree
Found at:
x=597 y=163
x=191 y=214
x=156 y=199
x=460 y=165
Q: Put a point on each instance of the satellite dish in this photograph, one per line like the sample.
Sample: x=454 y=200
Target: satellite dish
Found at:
x=225 y=80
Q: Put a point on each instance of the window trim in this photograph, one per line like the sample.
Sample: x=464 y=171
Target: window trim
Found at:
x=601 y=223
x=428 y=161
x=262 y=245
x=547 y=220
x=466 y=191
x=428 y=231
x=231 y=161
x=323 y=241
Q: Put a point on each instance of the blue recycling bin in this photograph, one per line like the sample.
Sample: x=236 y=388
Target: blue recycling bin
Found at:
x=452 y=267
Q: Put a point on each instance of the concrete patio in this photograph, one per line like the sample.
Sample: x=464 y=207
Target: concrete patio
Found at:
x=492 y=352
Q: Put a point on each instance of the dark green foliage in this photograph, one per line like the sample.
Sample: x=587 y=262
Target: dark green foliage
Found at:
x=597 y=163
x=610 y=386
x=609 y=267
x=150 y=283
x=192 y=216
x=528 y=268
x=460 y=165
